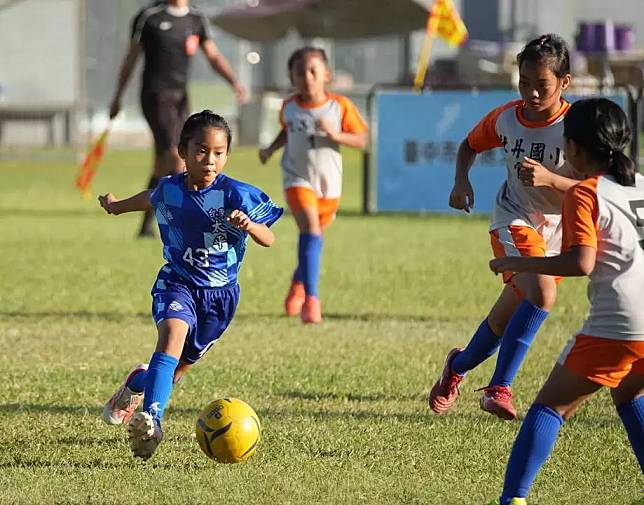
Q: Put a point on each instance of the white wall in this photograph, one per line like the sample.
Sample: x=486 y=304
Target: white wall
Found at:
x=39 y=60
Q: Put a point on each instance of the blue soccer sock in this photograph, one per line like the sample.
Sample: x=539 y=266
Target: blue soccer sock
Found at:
x=483 y=344
x=309 y=252
x=531 y=448
x=632 y=415
x=297 y=274
x=516 y=340
x=158 y=386
x=137 y=383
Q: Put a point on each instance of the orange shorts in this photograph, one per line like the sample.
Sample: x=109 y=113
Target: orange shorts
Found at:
x=605 y=361
x=517 y=241
x=299 y=198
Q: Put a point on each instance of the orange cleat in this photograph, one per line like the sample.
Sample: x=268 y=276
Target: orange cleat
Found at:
x=497 y=400
x=294 y=299
x=445 y=391
x=311 y=310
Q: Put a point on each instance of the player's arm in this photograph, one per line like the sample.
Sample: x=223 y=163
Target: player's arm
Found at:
x=127 y=66
x=357 y=140
x=259 y=232
x=139 y=202
x=278 y=143
x=533 y=173
x=575 y=262
x=462 y=195
x=220 y=64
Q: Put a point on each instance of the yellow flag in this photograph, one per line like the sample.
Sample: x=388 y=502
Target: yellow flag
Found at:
x=445 y=22
x=90 y=165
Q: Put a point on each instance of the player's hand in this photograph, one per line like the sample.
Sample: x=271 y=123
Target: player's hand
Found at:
x=239 y=220
x=462 y=195
x=106 y=202
x=240 y=92
x=500 y=265
x=115 y=108
x=265 y=154
x=326 y=126
x=533 y=174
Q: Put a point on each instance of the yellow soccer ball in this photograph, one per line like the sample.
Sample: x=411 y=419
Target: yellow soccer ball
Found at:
x=228 y=430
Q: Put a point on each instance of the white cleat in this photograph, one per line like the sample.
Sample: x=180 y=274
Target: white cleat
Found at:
x=124 y=402
x=145 y=435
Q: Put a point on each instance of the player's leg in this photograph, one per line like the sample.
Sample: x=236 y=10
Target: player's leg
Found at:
x=629 y=401
x=585 y=365
x=172 y=113
x=538 y=294
x=174 y=312
x=483 y=344
x=124 y=402
x=562 y=393
x=144 y=429
x=304 y=205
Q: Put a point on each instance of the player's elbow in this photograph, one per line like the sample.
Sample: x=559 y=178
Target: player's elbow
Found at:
x=361 y=141
x=585 y=260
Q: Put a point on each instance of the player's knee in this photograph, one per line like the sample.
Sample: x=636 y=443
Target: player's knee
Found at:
x=542 y=293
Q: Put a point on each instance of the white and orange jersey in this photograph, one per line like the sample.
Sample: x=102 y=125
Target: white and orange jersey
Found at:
x=310 y=159
x=516 y=204
x=609 y=217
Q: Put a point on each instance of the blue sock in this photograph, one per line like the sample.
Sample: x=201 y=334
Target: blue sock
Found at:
x=158 y=385
x=483 y=344
x=632 y=415
x=137 y=383
x=297 y=274
x=309 y=251
x=516 y=340
x=532 y=447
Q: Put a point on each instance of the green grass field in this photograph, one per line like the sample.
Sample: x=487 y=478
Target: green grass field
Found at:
x=343 y=404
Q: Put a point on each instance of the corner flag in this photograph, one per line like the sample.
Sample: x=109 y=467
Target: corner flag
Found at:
x=443 y=21
x=90 y=164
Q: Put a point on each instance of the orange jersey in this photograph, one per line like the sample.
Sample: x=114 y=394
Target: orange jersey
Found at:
x=516 y=204
x=310 y=158
x=609 y=217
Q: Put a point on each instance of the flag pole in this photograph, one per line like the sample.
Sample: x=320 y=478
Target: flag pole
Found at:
x=423 y=61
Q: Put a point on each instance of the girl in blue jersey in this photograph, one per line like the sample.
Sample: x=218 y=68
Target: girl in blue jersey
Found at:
x=204 y=221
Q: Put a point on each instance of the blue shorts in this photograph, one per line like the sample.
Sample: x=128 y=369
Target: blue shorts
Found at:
x=207 y=311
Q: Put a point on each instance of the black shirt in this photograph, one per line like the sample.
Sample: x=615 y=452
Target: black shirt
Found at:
x=168 y=43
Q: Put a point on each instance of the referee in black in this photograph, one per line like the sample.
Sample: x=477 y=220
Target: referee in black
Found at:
x=169 y=33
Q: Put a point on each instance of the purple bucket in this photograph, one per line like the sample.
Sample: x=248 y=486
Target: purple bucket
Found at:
x=586 y=38
x=624 y=38
x=604 y=36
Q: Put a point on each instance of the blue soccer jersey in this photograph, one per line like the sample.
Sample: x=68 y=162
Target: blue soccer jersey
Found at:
x=199 y=245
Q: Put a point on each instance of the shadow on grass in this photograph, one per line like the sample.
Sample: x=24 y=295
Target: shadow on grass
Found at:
x=334 y=412
x=333 y=316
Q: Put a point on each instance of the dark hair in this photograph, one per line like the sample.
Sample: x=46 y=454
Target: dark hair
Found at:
x=201 y=120
x=302 y=51
x=549 y=49
x=600 y=127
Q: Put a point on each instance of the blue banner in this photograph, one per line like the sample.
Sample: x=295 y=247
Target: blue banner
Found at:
x=416 y=140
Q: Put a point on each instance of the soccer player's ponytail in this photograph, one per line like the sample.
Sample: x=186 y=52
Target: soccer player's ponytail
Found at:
x=622 y=168
x=600 y=127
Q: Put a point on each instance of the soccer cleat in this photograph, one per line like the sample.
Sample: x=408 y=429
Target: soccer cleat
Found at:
x=124 y=402
x=445 y=391
x=513 y=501
x=294 y=299
x=311 y=310
x=498 y=401
x=145 y=435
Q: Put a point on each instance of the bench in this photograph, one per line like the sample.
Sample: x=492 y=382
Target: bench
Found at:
x=44 y=113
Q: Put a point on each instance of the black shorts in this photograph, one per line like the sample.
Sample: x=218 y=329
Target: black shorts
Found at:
x=165 y=111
